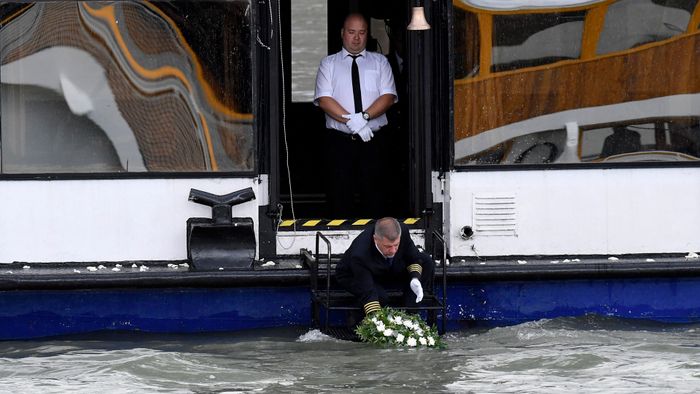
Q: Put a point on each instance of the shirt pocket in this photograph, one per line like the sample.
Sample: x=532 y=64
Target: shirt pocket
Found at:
x=371 y=80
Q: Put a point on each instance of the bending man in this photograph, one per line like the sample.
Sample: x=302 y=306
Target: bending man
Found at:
x=383 y=257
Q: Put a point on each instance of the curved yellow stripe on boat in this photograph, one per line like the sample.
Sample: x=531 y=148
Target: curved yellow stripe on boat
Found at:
x=15 y=14
x=210 y=147
x=107 y=14
x=208 y=91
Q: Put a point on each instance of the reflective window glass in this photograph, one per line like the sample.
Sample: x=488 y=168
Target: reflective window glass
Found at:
x=527 y=40
x=126 y=87
x=640 y=105
x=664 y=139
x=309 y=46
x=466 y=44
x=630 y=23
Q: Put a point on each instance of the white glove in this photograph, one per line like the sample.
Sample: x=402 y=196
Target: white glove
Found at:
x=356 y=122
x=417 y=289
x=365 y=133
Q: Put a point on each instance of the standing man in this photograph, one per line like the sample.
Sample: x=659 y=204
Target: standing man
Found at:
x=383 y=257
x=354 y=88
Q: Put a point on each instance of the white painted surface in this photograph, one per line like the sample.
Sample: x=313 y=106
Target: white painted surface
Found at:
x=580 y=212
x=106 y=220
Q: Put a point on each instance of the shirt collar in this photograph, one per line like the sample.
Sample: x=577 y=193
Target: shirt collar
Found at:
x=380 y=252
x=346 y=53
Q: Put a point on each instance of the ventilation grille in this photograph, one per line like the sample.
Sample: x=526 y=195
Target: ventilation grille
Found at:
x=494 y=215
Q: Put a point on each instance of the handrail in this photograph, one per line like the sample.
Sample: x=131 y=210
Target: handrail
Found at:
x=439 y=237
x=328 y=269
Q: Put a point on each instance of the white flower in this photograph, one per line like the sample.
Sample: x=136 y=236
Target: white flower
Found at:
x=390 y=318
x=411 y=342
x=374 y=320
x=398 y=320
x=400 y=338
x=408 y=324
x=422 y=341
x=388 y=332
x=419 y=331
x=380 y=326
x=431 y=341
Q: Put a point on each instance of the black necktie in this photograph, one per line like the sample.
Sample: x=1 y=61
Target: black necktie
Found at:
x=389 y=260
x=356 y=93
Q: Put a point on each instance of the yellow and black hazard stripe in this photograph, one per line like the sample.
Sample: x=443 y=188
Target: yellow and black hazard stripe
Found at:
x=335 y=224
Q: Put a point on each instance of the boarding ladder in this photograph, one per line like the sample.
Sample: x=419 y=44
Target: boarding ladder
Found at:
x=326 y=296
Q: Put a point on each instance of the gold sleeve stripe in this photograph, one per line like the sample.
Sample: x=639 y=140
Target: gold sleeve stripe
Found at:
x=372 y=306
x=415 y=268
x=286 y=223
x=411 y=220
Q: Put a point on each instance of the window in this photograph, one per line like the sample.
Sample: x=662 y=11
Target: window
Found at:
x=663 y=139
x=542 y=147
x=91 y=87
x=528 y=40
x=630 y=23
x=466 y=44
x=309 y=46
x=640 y=105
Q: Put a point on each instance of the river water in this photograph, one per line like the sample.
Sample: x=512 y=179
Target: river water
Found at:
x=585 y=354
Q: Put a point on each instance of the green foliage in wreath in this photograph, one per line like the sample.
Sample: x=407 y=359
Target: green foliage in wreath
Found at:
x=391 y=327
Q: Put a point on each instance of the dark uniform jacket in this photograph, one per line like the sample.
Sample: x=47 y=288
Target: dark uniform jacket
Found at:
x=363 y=268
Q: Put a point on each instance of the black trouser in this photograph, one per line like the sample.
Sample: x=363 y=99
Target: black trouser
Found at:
x=355 y=167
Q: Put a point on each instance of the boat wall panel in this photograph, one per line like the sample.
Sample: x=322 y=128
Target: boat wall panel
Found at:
x=106 y=220
x=582 y=212
x=675 y=300
x=36 y=314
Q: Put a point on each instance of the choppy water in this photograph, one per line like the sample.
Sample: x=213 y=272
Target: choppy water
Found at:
x=587 y=354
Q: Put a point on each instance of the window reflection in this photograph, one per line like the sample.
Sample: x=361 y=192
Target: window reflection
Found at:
x=529 y=40
x=665 y=139
x=126 y=86
x=534 y=148
x=631 y=23
x=662 y=139
x=634 y=104
x=309 y=46
x=466 y=44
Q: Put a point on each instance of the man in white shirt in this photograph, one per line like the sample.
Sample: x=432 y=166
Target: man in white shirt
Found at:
x=355 y=107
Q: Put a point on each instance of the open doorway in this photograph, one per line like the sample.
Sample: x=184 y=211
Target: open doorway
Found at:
x=313 y=32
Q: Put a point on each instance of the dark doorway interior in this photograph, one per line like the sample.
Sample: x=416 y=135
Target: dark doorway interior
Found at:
x=302 y=147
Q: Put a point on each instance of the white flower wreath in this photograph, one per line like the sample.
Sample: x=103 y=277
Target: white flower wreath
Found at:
x=390 y=327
